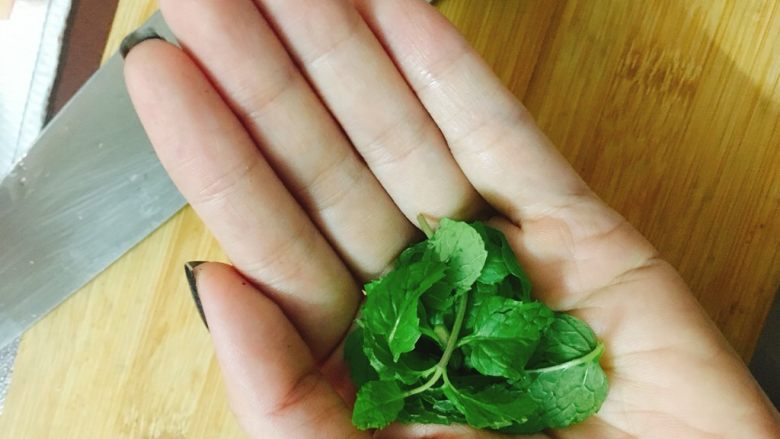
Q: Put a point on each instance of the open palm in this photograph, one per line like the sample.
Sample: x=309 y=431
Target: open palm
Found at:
x=309 y=134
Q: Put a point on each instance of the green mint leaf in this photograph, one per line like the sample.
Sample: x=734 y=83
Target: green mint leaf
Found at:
x=495 y=269
x=510 y=259
x=409 y=368
x=512 y=287
x=360 y=369
x=391 y=303
x=439 y=304
x=377 y=405
x=501 y=261
x=430 y=407
x=570 y=392
x=441 y=318
x=418 y=252
x=440 y=297
x=508 y=288
x=504 y=337
x=565 y=339
x=461 y=247
x=478 y=294
x=495 y=407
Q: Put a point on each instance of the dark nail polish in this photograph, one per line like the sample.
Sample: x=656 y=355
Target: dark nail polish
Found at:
x=136 y=38
x=189 y=271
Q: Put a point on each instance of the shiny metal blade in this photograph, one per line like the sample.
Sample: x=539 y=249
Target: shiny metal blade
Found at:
x=89 y=190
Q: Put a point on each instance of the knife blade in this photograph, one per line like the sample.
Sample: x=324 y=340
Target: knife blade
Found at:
x=88 y=190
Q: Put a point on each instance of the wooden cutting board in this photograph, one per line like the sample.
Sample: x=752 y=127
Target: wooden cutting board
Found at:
x=669 y=109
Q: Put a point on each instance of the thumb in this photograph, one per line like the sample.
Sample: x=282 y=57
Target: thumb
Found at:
x=273 y=384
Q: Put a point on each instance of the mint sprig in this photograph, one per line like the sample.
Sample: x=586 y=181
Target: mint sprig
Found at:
x=451 y=335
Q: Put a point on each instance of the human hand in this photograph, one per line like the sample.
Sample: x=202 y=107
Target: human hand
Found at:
x=309 y=147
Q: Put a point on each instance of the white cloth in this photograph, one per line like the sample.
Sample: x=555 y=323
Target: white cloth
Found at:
x=30 y=43
x=7 y=355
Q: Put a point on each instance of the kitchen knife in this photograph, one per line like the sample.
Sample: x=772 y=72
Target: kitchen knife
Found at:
x=89 y=189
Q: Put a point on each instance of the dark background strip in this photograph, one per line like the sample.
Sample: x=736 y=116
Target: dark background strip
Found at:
x=88 y=26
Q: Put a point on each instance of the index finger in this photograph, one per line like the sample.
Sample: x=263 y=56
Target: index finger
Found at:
x=217 y=167
x=272 y=380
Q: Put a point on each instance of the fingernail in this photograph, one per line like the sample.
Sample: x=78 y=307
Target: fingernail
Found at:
x=136 y=38
x=189 y=271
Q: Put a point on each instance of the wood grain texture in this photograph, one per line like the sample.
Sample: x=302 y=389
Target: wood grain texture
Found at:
x=671 y=112
x=669 y=109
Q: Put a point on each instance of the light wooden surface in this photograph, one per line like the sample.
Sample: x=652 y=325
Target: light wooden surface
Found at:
x=669 y=109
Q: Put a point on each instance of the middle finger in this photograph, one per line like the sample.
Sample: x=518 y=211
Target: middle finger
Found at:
x=240 y=53
x=380 y=113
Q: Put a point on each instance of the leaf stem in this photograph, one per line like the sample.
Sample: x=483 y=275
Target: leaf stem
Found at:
x=455 y=333
x=595 y=353
x=442 y=334
x=465 y=340
x=446 y=379
x=427 y=385
x=426 y=228
x=441 y=366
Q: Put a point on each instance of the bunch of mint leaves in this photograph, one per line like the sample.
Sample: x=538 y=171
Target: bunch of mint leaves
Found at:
x=452 y=336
